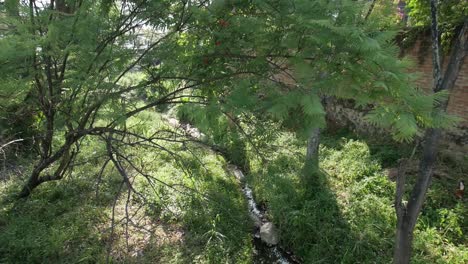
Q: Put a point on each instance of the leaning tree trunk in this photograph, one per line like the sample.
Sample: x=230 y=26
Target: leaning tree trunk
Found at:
x=408 y=215
x=31 y=184
x=64 y=155
x=371 y=8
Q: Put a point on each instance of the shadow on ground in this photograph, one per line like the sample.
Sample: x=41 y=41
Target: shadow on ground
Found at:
x=69 y=222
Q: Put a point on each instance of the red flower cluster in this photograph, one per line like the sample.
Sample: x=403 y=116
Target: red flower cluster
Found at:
x=223 y=23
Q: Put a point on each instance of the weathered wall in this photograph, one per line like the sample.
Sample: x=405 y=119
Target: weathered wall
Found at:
x=458 y=103
x=343 y=113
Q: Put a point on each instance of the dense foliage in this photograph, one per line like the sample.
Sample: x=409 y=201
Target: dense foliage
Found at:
x=452 y=14
x=83 y=85
x=194 y=213
x=346 y=213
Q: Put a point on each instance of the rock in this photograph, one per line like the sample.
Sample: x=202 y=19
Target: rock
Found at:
x=173 y=122
x=256 y=220
x=268 y=234
x=237 y=173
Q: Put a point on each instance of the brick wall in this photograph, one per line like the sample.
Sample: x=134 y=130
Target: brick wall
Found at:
x=343 y=113
x=458 y=103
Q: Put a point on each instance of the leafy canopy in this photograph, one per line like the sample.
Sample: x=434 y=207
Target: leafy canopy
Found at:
x=83 y=68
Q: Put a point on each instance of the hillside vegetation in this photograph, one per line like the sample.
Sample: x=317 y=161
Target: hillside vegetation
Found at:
x=198 y=214
x=344 y=213
x=198 y=131
x=193 y=213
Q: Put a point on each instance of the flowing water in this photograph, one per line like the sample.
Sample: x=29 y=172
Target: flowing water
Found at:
x=264 y=253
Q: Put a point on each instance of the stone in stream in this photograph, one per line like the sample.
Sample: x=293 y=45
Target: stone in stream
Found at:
x=173 y=122
x=268 y=233
x=256 y=220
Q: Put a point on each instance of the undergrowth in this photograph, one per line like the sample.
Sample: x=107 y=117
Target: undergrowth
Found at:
x=344 y=213
x=341 y=214
x=195 y=213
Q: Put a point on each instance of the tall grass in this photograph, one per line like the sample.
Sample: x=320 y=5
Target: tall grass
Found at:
x=344 y=212
x=198 y=216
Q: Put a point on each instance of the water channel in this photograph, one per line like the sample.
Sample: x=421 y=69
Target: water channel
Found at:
x=264 y=252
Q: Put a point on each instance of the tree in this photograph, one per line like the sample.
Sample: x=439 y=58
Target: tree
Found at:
x=72 y=61
x=407 y=215
x=381 y=22
x=341 y=58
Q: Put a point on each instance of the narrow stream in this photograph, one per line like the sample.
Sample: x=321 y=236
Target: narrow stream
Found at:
x=264 y=253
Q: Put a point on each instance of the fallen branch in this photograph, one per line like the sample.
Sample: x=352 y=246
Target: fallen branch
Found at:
x=9 y=143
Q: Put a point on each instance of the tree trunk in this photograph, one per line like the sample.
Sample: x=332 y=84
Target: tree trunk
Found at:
x=404 y=239
x=311 y=163
x=371 y=8
x=35 y=179
x=408 y=215
x=313 y=147
x=30 y=185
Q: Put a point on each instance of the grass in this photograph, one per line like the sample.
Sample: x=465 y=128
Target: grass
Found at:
x=344 y=213
x=341 y=214
x=200 y=218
